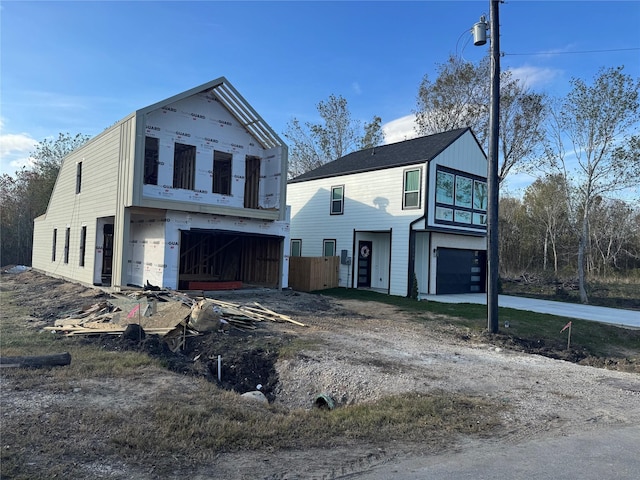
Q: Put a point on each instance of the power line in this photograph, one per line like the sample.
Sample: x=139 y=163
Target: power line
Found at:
x=571 y=53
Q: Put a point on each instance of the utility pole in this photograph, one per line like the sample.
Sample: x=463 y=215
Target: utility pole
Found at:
x=492 y=165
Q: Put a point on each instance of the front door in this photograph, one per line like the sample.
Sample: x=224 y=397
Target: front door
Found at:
x=107 y=254
x=364 y=264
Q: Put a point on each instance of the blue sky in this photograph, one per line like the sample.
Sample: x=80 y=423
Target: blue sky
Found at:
x=80 y=66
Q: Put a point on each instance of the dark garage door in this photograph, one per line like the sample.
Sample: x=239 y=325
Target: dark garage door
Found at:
x=461 y=271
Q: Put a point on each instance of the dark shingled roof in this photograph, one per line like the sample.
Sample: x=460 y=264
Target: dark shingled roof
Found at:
x=407 y=152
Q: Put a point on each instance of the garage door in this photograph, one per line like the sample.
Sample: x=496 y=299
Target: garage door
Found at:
x=461 y=271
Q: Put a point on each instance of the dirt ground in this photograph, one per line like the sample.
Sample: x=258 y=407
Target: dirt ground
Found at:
x=358 y=352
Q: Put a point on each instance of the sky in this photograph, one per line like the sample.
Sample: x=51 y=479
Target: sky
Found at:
x=80 y=66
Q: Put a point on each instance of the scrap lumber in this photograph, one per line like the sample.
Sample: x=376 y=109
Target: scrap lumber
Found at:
x=52 y=360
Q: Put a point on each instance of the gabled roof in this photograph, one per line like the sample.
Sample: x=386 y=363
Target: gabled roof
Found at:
x=407 y=152
x=220 y=89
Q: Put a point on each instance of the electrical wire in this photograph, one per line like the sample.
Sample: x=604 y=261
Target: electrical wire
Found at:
x=571 y=53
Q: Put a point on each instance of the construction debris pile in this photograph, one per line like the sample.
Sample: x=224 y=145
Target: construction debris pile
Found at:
x=171 y=315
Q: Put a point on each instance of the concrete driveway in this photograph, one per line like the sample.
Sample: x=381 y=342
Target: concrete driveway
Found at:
x=614 y=316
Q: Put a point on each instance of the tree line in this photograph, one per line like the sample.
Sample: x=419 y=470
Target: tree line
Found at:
x=584 y=148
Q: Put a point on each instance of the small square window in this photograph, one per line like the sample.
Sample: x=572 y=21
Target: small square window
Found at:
x=296 y=248
x=411 y=196
x=329 y=248
x=337 y=200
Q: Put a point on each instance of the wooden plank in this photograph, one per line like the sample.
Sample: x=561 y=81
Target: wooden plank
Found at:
x=214 y=285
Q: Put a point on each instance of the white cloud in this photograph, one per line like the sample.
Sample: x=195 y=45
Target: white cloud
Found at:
x=356 y=88
x=400 y=129
x=535 y=76
x=15 y=150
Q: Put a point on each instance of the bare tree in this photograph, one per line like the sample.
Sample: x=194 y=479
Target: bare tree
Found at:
x=546 y=207
x=600 y=125
x=314 y=144
x=460 y=98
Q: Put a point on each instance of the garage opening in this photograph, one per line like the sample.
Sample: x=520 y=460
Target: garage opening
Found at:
x=461 y=271
x=229 y=258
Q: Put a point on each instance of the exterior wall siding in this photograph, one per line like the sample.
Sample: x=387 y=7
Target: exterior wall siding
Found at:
x=372 y=203
x=68 y=209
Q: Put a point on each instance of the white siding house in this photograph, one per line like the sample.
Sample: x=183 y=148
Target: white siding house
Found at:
x=191 y=188
x=413 y=211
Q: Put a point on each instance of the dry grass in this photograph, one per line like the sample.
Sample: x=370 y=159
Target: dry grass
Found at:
x=65 y=433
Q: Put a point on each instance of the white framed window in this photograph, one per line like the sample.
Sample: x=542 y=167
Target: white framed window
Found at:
x=411 y=194
x=296 y=247
x=337 y=200
x=329 y=248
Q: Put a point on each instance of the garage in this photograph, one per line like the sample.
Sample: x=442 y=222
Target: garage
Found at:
x=229 y=258
x=460 y=271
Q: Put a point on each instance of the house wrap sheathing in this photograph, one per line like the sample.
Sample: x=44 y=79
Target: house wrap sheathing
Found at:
x=190 y=189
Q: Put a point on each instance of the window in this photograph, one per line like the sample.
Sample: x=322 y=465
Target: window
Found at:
x=337 y=200
x=329 y=248
x=296 y=248
x=460 y=199
x=411 y=198
x=67 y=234
x=221 y=173
x=55 y=242
x=184 y=166
x=479 y=195
x=78 y=177
x=463 y=191
x=251 y=182
x=151 y=156
x=444 y=187
x=83 y=244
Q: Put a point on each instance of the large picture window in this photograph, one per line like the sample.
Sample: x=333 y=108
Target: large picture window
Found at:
x=411 y=196
x=337 y=200
x=461 y=199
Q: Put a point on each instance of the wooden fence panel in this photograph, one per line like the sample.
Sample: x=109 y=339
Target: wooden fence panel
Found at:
x=307 y=274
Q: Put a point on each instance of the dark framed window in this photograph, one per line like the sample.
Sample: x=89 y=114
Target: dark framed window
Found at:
x=78 y=177
x=221 y=173
x=296 y=247
x=329 y=248
x=83 y=244
x=54 y=245
x=151 y=160
x=337 y=200
x=184 y=166
x=67 y=236
x=411 y=194
x=461 y=199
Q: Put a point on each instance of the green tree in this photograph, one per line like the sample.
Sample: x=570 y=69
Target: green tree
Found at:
x=600 y=124
x=314 y=144
x=459 y=98
x=26 y=196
